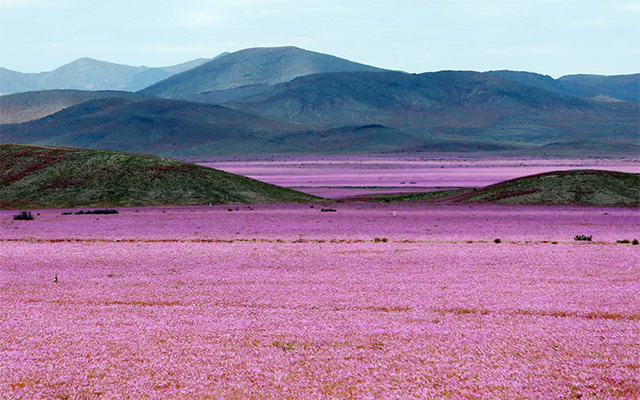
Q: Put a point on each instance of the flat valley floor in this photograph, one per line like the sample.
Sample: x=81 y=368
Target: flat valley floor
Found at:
x=288 y=302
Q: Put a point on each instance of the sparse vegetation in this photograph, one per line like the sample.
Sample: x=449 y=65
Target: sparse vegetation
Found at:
x=407 y=197
x=574 y=187
x=623 y=241
x=328 y=210
x=24 y=216
x=47 y=177
x=105 y=211
x=381 y=240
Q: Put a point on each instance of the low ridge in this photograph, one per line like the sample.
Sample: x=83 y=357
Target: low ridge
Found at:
x=47 y=177
x=29 y=106
x=574 y=187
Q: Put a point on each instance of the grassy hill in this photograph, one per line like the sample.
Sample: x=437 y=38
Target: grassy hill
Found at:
x=576 y=187
x=46 y=177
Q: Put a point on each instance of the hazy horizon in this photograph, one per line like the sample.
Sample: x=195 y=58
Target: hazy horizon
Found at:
x=574 y=37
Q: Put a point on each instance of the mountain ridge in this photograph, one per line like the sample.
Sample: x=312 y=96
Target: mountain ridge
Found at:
x=90 y=74
x=259 y=67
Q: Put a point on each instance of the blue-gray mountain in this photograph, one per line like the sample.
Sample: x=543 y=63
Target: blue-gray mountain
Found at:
x=90 y=74
x=289 y=100
x=22 y=107
x=613 y=88
x=355 y=112
x=248 y=72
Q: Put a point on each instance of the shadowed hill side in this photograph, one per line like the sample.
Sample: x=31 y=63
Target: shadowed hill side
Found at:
x=598 y=87
x=157 y=126
x=22 y=107
x=452 y=105
x=185 y=129
x=45 y=177
x=248 y=72
x=576 y=187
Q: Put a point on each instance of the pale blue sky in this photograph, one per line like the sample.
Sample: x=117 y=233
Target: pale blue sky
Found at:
x=551 y=37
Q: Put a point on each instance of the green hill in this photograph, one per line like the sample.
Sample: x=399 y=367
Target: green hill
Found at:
x=576 y=187
x=48 y=177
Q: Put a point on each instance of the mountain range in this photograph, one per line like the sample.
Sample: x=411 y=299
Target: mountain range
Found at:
x=89 y=74
x=290 y=100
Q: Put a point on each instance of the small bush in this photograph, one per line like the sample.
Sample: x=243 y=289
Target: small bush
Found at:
x=328 y=210
x=24 y=216
x=582 y=238
x=634 y=242
x=105 y=211
x=380 y=240
x=554 y=242
x=497 y=240
x=623 y=241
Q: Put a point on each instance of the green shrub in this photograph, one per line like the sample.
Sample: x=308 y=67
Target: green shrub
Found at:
x=497 y=240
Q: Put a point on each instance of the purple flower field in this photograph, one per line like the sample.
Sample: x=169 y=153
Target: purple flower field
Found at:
x=342 y=176
x=290 y=302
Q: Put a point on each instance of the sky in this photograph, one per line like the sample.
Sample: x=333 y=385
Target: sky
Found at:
x=556 y=37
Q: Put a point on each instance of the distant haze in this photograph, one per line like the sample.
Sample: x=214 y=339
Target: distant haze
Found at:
x=544 y=36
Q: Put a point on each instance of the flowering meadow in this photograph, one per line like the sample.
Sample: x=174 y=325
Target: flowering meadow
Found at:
x=288 y=302
x=347 y=175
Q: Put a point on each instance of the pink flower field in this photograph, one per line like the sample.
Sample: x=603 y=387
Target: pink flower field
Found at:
x=354 y=175
x=288 y=302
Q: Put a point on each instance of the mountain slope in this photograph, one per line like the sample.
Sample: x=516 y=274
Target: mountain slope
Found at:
x=356 y=112
x=89 y=74
x=22 y=107
x=157 y=126
x=576 y=187
x=460 y=105
x=178 y=128
x=248 y=72
x=45 y=177
x=598 y=87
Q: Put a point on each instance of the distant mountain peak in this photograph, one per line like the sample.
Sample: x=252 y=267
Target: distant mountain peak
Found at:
x=87 y=73
x=248 y=72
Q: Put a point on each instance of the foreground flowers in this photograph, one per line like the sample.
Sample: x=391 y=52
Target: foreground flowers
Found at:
x=207 y=303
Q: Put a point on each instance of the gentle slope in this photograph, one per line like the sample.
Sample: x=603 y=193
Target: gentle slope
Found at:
x=45 y=177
